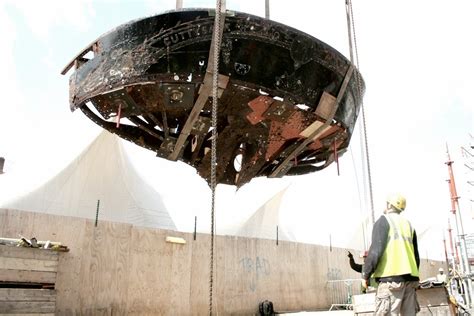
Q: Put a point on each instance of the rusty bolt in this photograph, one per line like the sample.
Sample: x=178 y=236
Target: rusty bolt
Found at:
x=176 y=95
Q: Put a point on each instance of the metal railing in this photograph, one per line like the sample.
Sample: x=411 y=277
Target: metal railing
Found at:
x=340 y=292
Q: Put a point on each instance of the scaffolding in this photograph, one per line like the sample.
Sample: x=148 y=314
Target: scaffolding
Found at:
x=460 y=267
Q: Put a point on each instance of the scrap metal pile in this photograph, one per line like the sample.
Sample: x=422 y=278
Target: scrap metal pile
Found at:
x=288 y=102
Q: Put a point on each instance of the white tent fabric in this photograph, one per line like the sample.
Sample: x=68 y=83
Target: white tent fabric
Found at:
x=102 y=172
x=263 y=223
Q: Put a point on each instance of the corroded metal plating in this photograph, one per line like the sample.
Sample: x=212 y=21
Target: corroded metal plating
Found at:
x=152 y=71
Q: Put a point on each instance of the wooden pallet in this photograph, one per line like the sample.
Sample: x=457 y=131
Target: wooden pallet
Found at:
x=27 y=278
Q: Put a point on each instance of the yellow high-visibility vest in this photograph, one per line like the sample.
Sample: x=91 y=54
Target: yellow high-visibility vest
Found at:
x=399 y=255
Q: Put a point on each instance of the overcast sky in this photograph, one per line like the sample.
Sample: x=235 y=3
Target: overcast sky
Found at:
x=416 y=60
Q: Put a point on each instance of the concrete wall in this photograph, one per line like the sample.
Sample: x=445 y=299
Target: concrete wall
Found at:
x=122 y=269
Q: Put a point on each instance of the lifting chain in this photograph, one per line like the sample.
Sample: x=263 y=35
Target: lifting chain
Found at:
x=352 y=33
x=220 y=6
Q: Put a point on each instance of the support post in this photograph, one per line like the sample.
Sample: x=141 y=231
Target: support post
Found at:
x=446 y=255
x=277 y=235
x=195 y=224
x=97 y=213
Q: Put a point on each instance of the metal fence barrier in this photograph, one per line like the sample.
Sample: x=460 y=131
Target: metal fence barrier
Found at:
x=340 y=292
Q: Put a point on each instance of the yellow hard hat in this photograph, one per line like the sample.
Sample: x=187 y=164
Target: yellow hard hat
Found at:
x=397 y=201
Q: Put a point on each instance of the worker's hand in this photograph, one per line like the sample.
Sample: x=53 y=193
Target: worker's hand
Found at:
x=349 y=254
x=365 y=284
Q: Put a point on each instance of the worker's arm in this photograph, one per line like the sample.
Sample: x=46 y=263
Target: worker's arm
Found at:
x=415 y=248
x=355 y=266
x=379 y=242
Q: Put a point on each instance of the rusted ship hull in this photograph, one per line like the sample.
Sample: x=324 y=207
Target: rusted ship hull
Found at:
x=278 y=88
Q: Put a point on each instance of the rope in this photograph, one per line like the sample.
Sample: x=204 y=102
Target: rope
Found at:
x=352 y=33
x=215 y=82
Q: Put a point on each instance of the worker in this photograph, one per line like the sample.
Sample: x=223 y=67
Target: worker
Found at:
x=393 y=261
x=441 y=277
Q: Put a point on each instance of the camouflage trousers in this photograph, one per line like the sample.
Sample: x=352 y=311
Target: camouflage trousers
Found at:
x=396 y=298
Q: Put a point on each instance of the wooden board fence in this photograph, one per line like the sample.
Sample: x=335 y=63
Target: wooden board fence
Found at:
x=117 y=268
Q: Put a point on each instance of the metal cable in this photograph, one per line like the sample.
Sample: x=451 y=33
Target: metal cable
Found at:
x=267 y=9
x=215 y=82
x=359 y=87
